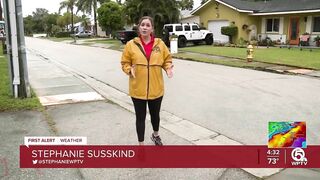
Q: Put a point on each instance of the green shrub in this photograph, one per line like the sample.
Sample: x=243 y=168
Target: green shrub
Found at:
x=266 y=42
x=63 y=34
x=230 y=31
x=55 y=29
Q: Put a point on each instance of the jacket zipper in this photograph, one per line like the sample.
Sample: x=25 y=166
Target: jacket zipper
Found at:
x=148 y=59
x=148 y=81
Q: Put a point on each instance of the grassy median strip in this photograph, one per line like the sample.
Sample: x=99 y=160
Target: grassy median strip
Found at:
x=60 y=39
x=274 y=55
x=222 y=61
x=114 y=43
x=7 y=101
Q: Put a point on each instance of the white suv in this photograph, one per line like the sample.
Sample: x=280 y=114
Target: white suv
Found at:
x=83 y=34
x=189 y=33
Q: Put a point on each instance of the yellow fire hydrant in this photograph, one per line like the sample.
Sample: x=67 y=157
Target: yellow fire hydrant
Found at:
x=249 y=53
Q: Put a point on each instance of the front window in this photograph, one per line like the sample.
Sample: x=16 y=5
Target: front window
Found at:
x=316 y=24
x=178 y=28
x=273 y=25
x=195 y=27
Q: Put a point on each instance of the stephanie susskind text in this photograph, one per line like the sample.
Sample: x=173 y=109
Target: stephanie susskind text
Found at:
x=104 y=153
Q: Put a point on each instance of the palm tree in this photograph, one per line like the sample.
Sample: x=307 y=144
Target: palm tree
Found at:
x=69 y=4
x=86 y=6
x=85 y=22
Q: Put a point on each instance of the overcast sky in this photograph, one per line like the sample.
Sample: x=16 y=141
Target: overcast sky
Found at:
x=29 y=6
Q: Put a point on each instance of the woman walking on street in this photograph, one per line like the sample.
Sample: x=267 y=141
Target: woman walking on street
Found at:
x=143 y=59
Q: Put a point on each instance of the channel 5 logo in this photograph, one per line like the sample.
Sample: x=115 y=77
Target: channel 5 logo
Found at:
x=299 y=157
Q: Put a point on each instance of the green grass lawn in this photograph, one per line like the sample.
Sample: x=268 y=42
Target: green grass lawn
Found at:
x=60 y=39
x=7 y=101
x=105 y=41
x=293 y=57
x=114 y=43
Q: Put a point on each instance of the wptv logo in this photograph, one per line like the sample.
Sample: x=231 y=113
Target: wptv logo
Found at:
x=299 y=157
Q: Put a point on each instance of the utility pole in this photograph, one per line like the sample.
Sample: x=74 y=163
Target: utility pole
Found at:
x=1 y=18
x=16 y=49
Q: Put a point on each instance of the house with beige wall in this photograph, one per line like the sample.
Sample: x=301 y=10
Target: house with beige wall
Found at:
x=279 y=20
x=186 y=17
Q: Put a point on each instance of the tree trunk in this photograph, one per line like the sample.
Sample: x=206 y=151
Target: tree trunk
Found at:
x=67 y=21
x=95 y=18
x=72 y=29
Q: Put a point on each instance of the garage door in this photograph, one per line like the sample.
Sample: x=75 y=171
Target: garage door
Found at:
x=215 y=28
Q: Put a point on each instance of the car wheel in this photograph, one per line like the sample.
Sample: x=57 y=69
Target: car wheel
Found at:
x=182 y=42
x=209 y=39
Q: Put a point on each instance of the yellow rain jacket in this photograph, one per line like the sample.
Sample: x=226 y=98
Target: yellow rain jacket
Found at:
x=148 y=83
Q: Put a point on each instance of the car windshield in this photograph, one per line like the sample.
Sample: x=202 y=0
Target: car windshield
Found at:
x=169 y=28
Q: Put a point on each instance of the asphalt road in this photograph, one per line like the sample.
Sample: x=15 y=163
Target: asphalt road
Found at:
x=237 y=103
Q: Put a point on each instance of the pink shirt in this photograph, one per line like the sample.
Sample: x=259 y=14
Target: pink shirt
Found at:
x=148 y=47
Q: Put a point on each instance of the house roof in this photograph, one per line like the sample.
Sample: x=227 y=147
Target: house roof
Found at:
x=269 y=7
x=185 y=13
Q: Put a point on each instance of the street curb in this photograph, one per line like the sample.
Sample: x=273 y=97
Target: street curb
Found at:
x=285 y=72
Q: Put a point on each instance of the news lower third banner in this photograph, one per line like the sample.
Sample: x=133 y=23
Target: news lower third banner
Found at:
x=287 y=148
x=104 y=156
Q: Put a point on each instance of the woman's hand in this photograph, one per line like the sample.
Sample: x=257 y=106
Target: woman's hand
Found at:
x=133 y=71
x=170 y=72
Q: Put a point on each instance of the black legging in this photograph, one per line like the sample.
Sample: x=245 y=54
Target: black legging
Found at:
x=140 y=106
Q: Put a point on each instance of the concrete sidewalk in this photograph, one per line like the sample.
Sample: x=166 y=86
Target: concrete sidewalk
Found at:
x=105 y=116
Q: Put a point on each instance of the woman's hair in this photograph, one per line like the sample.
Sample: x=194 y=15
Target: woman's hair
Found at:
x=146 y=17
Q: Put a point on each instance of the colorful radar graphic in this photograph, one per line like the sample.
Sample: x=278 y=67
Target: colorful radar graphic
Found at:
x=287 y=134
